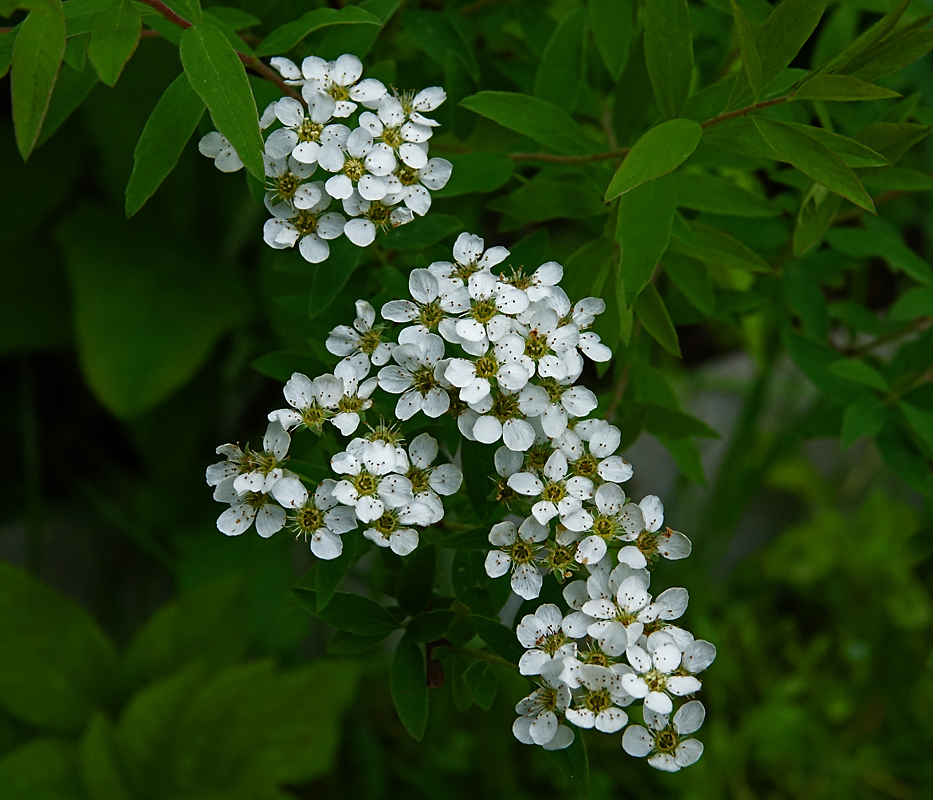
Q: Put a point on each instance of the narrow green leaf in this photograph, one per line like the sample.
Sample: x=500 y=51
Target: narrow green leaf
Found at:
x=669 y=53
x=350 y=612
x=167 y=130
x=235 y=18
x=100 y=767
x=864 y=417
x=841 y=88
x=537 y=119
x=189 y=9
x=852 y=153
x=7 y=40
x=500 y=639
x=650 y=310
x=920 y=419
x=896 y=54
x=751 y=62
x=861 y=243
x=692 y=278
x=816 y=214
x=285 y=37
x=420 y=232
x=859 y=372
x=37 y=56
x=853 y=56
x=897 y=179
x=544 y=198
x=914 y=303
x=659 y=151
x=409 y=686
x=643 y=230
x=482 y=682
x=81 y=15
x=662 y=421
x=575 y=765
x=784 y=33
x=217 y=75
x=114 y=39
x=476 y=172
x=329 y=574
x=892 y=139
x=613 y=25
x=416 y=580
x=714 y=247
x=814 y=159
x=719 y=196
x=560 y=70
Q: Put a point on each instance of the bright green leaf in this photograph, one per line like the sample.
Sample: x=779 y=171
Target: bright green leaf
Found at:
x=37 y=56
x=114 y=39
x=217 y=75
x=841 y=88
x=859 y=372
x=285 y=37
x=669 y=53
x=643 y=230
x=613 y=25
x=896 y=53
x=560 y=69
x=659 y=151
x=167 y=130
x=857 y=54
x=719 y=196
x=814 y=159
x=650 y=310
x=784 y=33
x=409 y=685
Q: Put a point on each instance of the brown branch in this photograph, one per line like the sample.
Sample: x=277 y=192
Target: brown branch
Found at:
x=624 y=151
x=250 y=62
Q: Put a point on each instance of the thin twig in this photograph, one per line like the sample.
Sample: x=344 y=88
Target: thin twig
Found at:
x=918 y=324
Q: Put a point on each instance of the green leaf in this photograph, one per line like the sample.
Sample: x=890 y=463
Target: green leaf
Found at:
x=920 y=419
x=37 y=56
x=560 y=70
x=476 y=172
x=41 y=769
x=670 y=422
x=235 y=18
x=859 y=372
x=482 y=682
x=329 y=574
x=57 y=664
x=501 y=640
x=537 y=119
x=71 y=90
x=841 y=88
x=217 y=75
x=751 y=63
x=892 y=139
x=613 y=25
x=643 y=230
x=189 y=9
x=342 y=643
x=167 y=130
x=897 y=179
x=896 y=53
x=114 y=39
x=350 y=612
x=718 y=196
x=692 y=278
x=542 y=198
x=861 y=243
x=416 y=580
x=718 y=249
x=813 y=358
x=814 y=159
x=914 y=303
x=573 y=762
x=659 y=151
x=784 y=33
x=669 y=53
x=854 y=56
x=429 y=626
x=439 y=34
x=81 y=15
x=7 y=41
x=816 y=214
x=130 y=357
x=409 y=686
x=285 y=37
x=100 y=768
x=853 y=153
x=864 y=417
x=650 y=310
x=421 y=232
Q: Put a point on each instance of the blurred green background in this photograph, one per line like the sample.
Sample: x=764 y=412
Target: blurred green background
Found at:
x=145 y=655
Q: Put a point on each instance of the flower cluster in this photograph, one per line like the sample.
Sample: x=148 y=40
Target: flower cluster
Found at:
x=500 y=350
x=377 y=173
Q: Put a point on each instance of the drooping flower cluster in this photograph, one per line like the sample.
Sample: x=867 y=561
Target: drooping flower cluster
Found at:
x=377 y=173
x=500 y=350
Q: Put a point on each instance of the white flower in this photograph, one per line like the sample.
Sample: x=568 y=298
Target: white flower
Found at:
x=390 y=126
x=620 y=619
x=369 y=488
x=544 y=639
x=504 y=417
x=303 y=134
x=598 y=704
x=374 y=216
x=410 y=186
x=491 y=304
x=614 y=520
x=654 y=681
x=428 y=482
x=469 y=257
x=312 y=402
x=505 y=364
x=425 y=101
x=671 y=751
x=356 y=394
x=247 y=507
x=388 y=530
x=431 y=304
x=216 y=146
x=548 y=344
x=322 y=521
x=670 y=544
x=559 y=495
x=518 y=552
x=258 y=472
x=600 y=585
x=336 y=78
x=597 y=459
x=698 y=655
x=415 y=378
x=361 y=338
x=309 y=227
x=565 y=402
x=542 y=711
x=362 y=165
x=286 y=182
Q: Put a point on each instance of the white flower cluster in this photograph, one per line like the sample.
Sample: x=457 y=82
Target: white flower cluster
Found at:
x=501 y=352
x=378 y=172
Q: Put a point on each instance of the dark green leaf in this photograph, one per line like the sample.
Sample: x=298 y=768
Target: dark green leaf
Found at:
x=100 y=768
x=920 y=419
x=805 y=299
x=537 y=119
x=71 y=90
x=501 y=640
x=853 y=153
x=675 y=424
x=692 y=278
x=357 y=39
x=900 y=454
x=408 y=682
x=37 y=56
x=864 y=417
x=613 y=25
x=813 y=358
x=643 y=230
x=719 y=196
x=475 y=539
x=841 y=88
x=542 y=198
x=718 y=249
x=895 y=54
x=420 y=232
x=892 y=139
x=854 y=56
x=329 y=277
x=751 y=62
x=350 y=612
x=784 y=32
x=859 y=372
x=285 y=37
x=329 y=574
x=560 y=69
x=814 y=159
x=897 y=179
x=189 y=9
x=659 y=151
x=114 y=39
x=438 y=34
x=234 y=18
x=217 y=75
x=816 y=214
x=167 y=130
x=41 y=769
x=914 y=303
x=57 y=665
x=650 y=310
x=342 y=643
x=7 y=40
x=81 y=15
x=669 y=53
x=861 y=243
x=476 y=172
x=482 y=682
x=573 y=762
x=429 y=626
x=416 y=580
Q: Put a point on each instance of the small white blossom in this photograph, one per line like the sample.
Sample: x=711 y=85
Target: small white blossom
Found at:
x=216 y=146
x=518 y=551
x=671 y=750
x=415 y=378
x=544 y=639
x=363 y=338
x=322 y=521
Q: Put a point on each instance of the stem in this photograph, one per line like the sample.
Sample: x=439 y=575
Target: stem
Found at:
x=250 y=62
x=624 y=151
x=919 y=324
